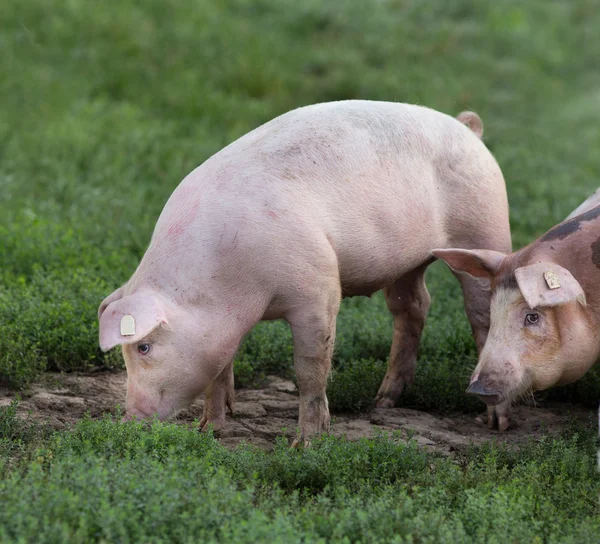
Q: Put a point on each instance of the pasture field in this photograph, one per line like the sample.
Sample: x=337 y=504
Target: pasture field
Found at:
x=106 y=106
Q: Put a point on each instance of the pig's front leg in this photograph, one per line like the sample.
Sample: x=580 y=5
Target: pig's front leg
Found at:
x=313 y=331
x=500 y=413
x=503 y=415
x=219 y=396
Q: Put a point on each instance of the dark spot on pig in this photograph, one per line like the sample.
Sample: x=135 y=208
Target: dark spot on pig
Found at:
x=596 y=253
x=590 y=214
x=560 y=232
x=507 y=282
x=552 y=248
x=509 y=370
x=328 y=338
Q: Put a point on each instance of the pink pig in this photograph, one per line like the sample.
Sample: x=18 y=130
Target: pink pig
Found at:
x=545 y=311
x=327 y=201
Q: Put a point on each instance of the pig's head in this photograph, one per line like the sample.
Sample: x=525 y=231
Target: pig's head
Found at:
x=170 y=351
x=539 y=334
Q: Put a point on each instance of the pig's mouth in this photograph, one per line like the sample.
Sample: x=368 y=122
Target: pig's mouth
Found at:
x=490 y=396
x=161 y=415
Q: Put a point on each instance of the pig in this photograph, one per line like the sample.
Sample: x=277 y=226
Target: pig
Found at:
x=326 y=201
x=545 y=311
x=588 y=204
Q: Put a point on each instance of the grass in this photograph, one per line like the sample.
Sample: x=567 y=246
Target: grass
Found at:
x=105 y=107
x=106 y=481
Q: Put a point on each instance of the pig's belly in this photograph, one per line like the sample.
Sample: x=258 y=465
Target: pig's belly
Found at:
x=368 y=265
x=373 y=273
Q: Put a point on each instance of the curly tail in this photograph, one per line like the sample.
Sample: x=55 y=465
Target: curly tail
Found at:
x=473 y=121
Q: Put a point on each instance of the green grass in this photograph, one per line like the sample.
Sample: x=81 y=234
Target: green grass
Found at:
x=105 y=107
x=110 y=482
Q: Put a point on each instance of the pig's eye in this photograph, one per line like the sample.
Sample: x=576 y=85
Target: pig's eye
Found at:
x=532 y=319
x=143 y=349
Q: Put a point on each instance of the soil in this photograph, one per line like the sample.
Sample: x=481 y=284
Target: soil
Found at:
x=264 y=414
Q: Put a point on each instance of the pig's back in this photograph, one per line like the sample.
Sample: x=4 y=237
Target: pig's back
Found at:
x=381 y=182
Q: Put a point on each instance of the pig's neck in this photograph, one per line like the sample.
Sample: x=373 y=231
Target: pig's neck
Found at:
x=576 y=248
x=185 y=286
x=583 y=353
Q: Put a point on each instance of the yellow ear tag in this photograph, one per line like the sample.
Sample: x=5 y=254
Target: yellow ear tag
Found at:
x=551 y=279
x=127 y=325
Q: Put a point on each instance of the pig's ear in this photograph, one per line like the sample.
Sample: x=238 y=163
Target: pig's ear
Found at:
x=547 y=284
x=479 y=263
x=115 y=295
x=128 y=319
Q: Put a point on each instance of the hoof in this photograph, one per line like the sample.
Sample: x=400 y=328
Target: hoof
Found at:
x=385 y=402
x=206 y=425
x=300 y=443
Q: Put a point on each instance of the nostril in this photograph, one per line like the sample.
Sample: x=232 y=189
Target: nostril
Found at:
x=134 y=413
x=127 y=417
x=477 y=388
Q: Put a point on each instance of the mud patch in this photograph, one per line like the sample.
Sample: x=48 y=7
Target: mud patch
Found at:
x=264 y=414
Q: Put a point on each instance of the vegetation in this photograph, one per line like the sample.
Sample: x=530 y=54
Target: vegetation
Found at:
x=111 y=482
x=105 y=107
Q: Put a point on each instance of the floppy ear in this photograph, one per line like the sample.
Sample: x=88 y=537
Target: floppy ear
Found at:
x=479 y=263
x=129 y=319
x=115 y=295
x=547 y=284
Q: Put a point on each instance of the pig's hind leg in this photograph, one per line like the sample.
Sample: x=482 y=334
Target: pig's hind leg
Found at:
x=408 y=300
x=313 y=332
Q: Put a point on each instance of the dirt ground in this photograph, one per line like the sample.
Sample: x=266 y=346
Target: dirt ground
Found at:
x=264 y=414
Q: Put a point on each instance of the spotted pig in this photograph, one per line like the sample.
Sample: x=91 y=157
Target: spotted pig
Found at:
x=545 y=310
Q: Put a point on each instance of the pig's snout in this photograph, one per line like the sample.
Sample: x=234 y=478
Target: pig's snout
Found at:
x=136 y=412
x=486 y=394
x=142 y=414
x=139 y=405
x=133 y=414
